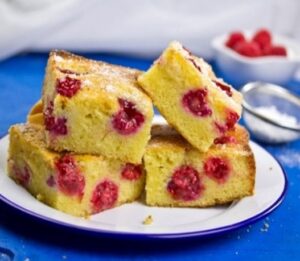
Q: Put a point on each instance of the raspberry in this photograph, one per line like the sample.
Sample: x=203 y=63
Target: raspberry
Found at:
x=55 y=125
x=22 y=175
x=263 y=38
x=69 y=179
x=231 y=120
x=266 y=50
x=131 y=171
x=249 y=49
x=185 y=184
x=225 y=140
x=217 y=168
x=224 y=87
x=128 y=119
x=104 y=196
x=68 y=86
x=278 y=50
x=51 y=181
x=234 y=39
x=195 y=102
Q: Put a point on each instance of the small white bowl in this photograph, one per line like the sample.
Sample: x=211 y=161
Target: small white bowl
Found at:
x=240 y=69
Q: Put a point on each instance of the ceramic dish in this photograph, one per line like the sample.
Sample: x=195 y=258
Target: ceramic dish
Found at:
x=240 y=69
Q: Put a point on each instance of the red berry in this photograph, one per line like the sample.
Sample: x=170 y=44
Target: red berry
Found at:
x=22 y=175
x=263 y=38
x=217 y=168
x=278 y=50
x=68 y=86
x=195 y=101
x=69 y=178
x=131 y=171
x=249 y=49
x=185 y=184
x=224 y=87
x=128 y=119
x=235 y=38
x=231 y=119
x=266 y=50
x=55 y=125
x=225 y=140
x=104 y=196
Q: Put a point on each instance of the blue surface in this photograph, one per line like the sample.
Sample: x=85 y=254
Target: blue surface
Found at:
x=276 y=237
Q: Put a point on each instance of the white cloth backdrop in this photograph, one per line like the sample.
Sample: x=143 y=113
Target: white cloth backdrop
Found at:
x=138 y=27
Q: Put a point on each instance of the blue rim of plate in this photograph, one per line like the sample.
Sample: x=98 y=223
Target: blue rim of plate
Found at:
x=198 y=234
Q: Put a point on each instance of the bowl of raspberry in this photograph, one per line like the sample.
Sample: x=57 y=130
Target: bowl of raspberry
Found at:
x=244 y=56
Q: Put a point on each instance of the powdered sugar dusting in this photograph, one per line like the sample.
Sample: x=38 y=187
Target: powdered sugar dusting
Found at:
x=87 y=82
x=58 y=58
x=273 y=113
x=110 y=88
x=268 y=132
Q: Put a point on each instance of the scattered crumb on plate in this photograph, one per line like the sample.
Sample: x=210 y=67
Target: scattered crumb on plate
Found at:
x=148 y=220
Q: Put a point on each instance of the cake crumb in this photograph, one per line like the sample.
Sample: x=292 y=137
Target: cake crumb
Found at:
x=39 y=197
x=148 y=220
x=271 y=168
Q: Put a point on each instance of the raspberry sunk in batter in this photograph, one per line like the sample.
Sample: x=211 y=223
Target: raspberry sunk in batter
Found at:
x=185 y=184
x=68 y=86
x=128 y=120
x=231 y=119
x=70 y=180
x=104 y=196
x=131 y=171
x=217 y=168
x=195 y=102
x=56 y=125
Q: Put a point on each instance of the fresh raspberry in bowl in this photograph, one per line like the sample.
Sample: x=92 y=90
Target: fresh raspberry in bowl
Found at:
x=259 y=55
x=258 y=45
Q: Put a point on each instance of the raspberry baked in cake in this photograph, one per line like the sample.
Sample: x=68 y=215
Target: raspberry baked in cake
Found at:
x=96 y=108
x=187 y=93
x=179 y=175
x=79 y=185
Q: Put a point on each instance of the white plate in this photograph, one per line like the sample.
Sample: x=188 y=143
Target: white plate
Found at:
x=127 y=220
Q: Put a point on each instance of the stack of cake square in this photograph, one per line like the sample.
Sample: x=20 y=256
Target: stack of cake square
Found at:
x=86 y=145
x=210 y=162
x=86 y=156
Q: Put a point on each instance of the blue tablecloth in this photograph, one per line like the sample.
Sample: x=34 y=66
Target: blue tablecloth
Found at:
x=27 y=238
